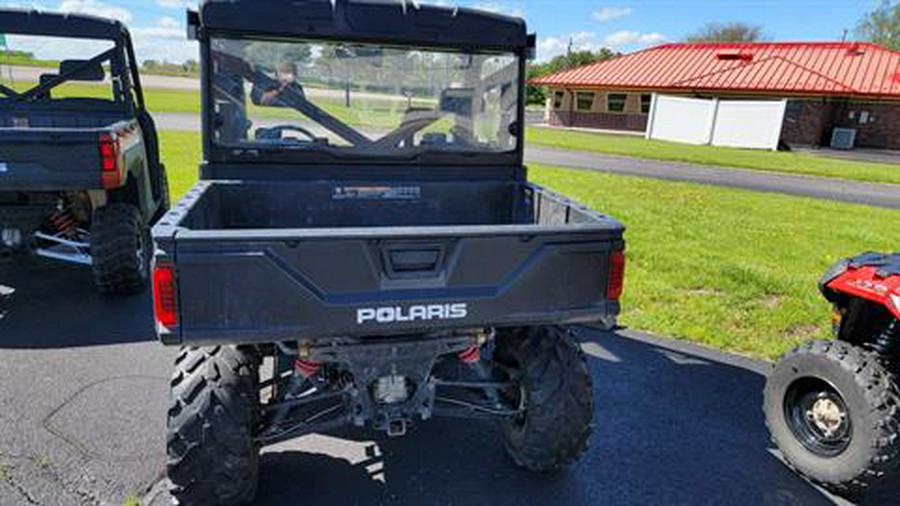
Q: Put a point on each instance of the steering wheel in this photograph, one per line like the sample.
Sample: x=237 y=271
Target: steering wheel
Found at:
x=275 y=133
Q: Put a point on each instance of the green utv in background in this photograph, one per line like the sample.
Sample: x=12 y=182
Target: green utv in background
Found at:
x=80 y=178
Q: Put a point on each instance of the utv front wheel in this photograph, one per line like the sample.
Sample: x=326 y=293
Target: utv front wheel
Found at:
x=553 y=393
x=120 y=249
x=213 y=457
x=832 y=410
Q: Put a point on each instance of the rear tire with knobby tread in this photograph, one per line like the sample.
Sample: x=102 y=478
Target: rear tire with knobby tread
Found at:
x=873 y=403
x=121 y=249
x=213 y=458
x=556 y=385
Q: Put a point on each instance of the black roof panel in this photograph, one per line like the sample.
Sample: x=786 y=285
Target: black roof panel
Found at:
x=384 y=21
x=52 y=24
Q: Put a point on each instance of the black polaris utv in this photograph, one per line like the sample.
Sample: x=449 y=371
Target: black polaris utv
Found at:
x=80 y=176
x=364 y=247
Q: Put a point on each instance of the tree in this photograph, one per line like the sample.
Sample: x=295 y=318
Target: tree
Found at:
x=572 y=59
x=881 y=26
x=728 y=32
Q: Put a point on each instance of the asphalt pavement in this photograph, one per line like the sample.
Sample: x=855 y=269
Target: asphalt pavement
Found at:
x=83 y=395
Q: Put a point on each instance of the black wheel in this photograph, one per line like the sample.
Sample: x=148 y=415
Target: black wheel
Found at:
x=164 y=199
x=213 y=457
x=121 y=249
x=554 y=392
x=832 y=410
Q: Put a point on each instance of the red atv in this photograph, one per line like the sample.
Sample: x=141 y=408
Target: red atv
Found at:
x=833 y=407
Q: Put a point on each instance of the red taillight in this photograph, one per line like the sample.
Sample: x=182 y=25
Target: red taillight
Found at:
x=165 y=305
x=615 y=283
x=109 y=160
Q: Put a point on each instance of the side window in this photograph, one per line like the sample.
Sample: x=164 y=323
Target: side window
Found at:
x=584 y=100
x=558 y=99
x=646 y=100
x=615 y=102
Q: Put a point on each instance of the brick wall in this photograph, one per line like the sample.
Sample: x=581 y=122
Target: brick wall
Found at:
x=601 y=120
x=805 y=121
x=882 y=128
x=810 y=122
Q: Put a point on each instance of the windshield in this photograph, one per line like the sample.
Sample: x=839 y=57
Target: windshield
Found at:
x=361 y=99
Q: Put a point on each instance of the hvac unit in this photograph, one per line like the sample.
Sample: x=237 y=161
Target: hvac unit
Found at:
x=843 y=138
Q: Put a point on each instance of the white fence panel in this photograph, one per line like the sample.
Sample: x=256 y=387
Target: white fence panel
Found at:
x=754 y=124
x=680 y=119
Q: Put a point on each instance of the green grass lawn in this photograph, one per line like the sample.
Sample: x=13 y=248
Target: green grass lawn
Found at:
x=375 y=114
x=181 y=152
x=728 y=268
x=771 y=161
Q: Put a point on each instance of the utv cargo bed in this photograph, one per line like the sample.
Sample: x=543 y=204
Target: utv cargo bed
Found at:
x=269 y=261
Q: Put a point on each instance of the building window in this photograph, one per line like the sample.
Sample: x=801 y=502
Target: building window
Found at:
x=584 y=100
x=615 y=102
x=646 y=100
x=558 y=99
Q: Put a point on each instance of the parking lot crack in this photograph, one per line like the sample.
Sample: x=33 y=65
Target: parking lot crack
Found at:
x=6 y=474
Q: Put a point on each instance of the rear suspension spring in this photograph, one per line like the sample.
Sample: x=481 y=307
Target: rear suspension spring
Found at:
x=887 y=343
x=63 y=222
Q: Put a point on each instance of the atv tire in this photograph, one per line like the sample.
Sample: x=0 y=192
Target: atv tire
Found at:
x=832 y=410
x=121 y=249
x=555 y=392
x=213 y=458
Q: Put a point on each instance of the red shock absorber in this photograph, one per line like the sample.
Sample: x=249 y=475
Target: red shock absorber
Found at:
x=63 y=222
x=306 y=368
x=471 y=354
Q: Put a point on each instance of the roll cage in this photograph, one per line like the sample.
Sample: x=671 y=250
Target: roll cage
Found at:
x=126 y=83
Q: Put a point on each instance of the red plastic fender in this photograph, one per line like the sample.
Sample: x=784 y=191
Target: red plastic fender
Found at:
x=865 y=283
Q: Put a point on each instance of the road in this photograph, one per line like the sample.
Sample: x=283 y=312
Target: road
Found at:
x=83 y=389
x=33 y=74
x=873 y=194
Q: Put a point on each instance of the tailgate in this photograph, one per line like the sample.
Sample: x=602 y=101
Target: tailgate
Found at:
x=293 y=284
x=50 y=159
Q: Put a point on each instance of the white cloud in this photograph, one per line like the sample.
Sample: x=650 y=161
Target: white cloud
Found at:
x=164 y=41
x=608 y=13
x=176 y=4
x=439 y=3
x=548 y=47
x=95 y=8
x=632 y=38
x=501 y=8
x=57 y=48
x=624 y=40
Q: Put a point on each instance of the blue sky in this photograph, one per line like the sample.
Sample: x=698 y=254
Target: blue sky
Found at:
x=626 y=25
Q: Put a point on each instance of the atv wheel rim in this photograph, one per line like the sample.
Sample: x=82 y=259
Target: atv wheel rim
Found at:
x=818 y=417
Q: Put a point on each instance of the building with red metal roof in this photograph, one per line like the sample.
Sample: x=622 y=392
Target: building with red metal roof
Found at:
x=827 y=85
